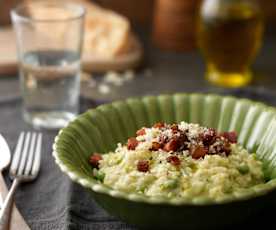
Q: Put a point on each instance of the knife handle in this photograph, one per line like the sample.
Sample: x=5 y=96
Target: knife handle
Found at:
x=17 y=221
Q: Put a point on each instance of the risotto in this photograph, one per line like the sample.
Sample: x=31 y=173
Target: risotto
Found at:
x=179 y=160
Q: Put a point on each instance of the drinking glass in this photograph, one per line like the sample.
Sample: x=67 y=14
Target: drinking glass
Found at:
x=49 y=37
x=229 y=36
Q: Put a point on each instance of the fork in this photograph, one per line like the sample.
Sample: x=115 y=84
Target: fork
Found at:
x=24 y=168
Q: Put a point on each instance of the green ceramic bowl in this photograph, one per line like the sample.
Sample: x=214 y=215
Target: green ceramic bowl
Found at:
x=100 y=129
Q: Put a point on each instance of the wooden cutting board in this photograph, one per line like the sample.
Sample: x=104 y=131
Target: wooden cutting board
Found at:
x=90 y=63
x=16 y=222
x=8 y=58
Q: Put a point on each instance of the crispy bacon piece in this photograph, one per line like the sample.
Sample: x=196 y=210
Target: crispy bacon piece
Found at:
x=143 y=166
x=209 y=136
x=94 y=160
x=221 y=146
x=174 y=128
x=181 y=140
x=230 y=136
x=174 y=160
x=198 y=152
x=163 y=139
x=227 y=148
x=132 y=143
x=155 y=146
x=141 y=132
x=172 y=145
x=159 y=125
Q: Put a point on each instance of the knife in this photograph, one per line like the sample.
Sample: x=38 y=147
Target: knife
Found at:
x=17 y=221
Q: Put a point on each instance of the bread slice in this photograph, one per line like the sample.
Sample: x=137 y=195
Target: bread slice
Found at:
x=107 y=34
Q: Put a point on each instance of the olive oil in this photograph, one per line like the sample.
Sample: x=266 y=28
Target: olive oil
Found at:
x=229 y=36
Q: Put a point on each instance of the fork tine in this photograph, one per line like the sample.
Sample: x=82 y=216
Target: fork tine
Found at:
x=37 y=156
x=30 y=155
x=17 y=154
x=24 y=154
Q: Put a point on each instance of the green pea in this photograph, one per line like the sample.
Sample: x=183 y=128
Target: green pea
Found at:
x=100 y=176
x=142 y=188
x=170 y=184
x=243 y=169
x=254 y=155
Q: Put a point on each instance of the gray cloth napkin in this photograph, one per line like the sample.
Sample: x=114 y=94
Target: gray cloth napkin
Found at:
x=54 y=202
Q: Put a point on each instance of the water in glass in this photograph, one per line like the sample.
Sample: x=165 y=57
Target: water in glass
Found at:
x=50 y=87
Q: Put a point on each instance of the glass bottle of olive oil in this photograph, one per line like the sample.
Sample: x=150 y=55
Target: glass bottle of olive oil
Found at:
x=229 y=35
